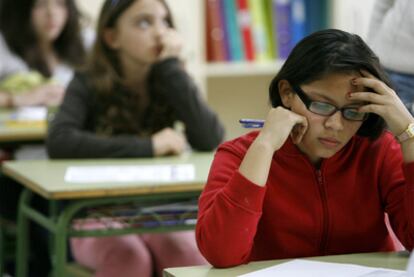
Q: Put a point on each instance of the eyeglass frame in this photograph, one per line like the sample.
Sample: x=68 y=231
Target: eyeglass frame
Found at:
x=308 y=102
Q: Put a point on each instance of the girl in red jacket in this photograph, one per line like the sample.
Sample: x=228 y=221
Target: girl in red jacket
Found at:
x=319 y=176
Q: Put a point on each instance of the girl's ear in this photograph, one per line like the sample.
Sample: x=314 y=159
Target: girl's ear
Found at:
x=111 y=39
x=286 y=93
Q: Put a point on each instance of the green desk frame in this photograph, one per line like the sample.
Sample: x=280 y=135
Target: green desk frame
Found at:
x=59 y=225
x=47 y=179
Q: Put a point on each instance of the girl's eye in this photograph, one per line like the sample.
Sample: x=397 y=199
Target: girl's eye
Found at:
x=321 y=107
x=143 y=23
x=166 y=23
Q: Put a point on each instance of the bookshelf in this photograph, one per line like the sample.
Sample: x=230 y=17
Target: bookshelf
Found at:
x=241 y=69
x=236 y=90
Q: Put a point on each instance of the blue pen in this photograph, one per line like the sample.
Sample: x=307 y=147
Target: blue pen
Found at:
x=251 y=123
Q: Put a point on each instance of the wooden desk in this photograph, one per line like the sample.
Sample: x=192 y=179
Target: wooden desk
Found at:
x=27 y=132
x=46 y=178
x=392 y=260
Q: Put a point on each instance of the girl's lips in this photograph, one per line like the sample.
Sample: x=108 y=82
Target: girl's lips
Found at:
x=158 y=49
x=329 y=142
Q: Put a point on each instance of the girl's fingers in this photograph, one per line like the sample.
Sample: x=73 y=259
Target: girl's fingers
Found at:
x=378 y=86
x=372 y=108
x=367 y=97
x=298 y=131
x=367 y=74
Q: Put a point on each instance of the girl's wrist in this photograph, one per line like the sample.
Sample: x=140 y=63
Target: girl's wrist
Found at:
x=265 y=142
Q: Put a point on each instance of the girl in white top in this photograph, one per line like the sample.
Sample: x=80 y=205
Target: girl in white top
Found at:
x=391 y=36
x=42 y=36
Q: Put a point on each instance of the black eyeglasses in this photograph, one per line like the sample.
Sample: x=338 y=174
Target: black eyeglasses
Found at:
x=326 y=109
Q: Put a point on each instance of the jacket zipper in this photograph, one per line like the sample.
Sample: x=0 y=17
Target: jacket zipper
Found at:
x=325 y=216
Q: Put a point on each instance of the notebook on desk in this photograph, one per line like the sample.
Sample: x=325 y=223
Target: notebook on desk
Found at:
x=27 y=117
x=306 y=268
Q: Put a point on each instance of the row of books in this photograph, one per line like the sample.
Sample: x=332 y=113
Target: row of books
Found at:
x=260 y=30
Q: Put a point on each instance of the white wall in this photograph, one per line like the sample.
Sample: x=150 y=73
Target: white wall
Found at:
x=352 y=15
x=90 y=7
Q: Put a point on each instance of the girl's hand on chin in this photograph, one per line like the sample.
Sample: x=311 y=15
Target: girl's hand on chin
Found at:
x=279 y=125
x=172 y=44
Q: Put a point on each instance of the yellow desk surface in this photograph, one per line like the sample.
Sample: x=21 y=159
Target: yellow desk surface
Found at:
x=46 y=177
x=22 y=131
x=392 y=260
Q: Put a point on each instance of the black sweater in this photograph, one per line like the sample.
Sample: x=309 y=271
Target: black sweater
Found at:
x=72 y=132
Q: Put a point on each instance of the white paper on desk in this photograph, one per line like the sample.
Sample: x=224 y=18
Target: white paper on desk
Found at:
x=29 y=114
x=305 y=268
x=130 y=173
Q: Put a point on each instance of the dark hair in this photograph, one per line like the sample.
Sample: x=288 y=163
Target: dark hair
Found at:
x=16 y=27
x=326 y=52
x=105 y=77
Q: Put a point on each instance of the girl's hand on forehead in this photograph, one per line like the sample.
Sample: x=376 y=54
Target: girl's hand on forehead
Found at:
x=385 y=102
x=172 y=44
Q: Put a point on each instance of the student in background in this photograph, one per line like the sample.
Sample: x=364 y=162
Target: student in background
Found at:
x=39 y=39
x=43 y=36
x=391 y=36
x=124 y=105
x=319 y=176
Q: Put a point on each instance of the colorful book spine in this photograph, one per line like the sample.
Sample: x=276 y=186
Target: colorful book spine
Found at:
x=216 y=50
x=271 y=29
x=244 y=19
x=259 y=30
x=236 y=49
x=226 y=34
x=316 y=15
x=298 y=22
x=283 y=22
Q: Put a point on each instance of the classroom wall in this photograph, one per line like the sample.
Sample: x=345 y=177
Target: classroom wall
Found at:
x=90 y=7
x=232 y=101
x=352 y=15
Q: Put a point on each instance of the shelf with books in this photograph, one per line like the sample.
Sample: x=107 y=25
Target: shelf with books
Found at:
x=259 y=30
x=234 y=69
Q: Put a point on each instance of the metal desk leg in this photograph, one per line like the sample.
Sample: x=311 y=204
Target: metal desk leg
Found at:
x=60 y=240
x=2 y=258
x=60 y=251
x=22 y=235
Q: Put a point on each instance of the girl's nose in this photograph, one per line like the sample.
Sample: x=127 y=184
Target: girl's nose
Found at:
x=335 y=121
x=160 y=29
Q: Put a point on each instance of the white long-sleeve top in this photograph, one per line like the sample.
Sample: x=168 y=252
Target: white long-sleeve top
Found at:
x=10 y=63
x=391 y=34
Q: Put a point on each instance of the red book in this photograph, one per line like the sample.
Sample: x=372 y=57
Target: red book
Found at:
x=245 y=23
x=216 y=48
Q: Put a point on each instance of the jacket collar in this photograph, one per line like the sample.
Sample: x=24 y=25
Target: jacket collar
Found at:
x=290 y=149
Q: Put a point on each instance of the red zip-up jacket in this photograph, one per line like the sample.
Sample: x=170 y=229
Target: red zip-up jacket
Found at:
x=304 y=211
